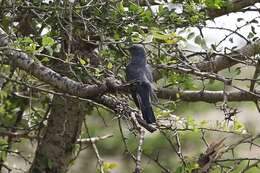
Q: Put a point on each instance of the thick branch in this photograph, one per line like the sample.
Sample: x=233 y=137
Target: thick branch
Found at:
x=16 y=135
x=45 y=74
x=223 y=62
x=233 y=6
x=205 y=96
x=219 y=63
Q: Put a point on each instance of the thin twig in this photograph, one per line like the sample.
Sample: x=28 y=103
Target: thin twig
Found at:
x=139 y=151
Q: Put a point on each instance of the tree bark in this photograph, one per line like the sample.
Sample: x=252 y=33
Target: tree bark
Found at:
x=55 y=149
x=223 y=62
x=233 y=6
x=205 y=96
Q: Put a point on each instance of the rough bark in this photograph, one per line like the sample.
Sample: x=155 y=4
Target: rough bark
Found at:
x=55 y=149
x=205 y=96
x=233 y=6
x=223 y=62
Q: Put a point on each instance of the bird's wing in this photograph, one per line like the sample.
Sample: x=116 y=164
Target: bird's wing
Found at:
x=143 y=98
x=133 y=72
x=148 y=73
x=149 y=79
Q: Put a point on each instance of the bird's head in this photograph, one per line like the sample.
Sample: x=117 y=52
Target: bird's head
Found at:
x=138 y=54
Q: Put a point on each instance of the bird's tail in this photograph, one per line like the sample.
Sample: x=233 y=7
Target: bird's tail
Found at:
x=148 y=114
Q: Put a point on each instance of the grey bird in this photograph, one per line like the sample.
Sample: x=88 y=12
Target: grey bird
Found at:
x=139 y=71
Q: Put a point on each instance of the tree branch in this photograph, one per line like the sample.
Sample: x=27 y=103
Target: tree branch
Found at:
x=93 y=139
x=233 y=6
x=204 y=95
x=23 y=61
x=223 y=62
x=139 y=152
x=194 y=71
x=45 y=74
x=121 y=108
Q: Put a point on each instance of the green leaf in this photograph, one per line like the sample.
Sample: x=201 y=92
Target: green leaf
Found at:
x=191 y=123
x=120 y=7
x=231 y=40
x=253 y=29
x=180 y=169
x=162 y=10
x=238 y=70
x=190 y=35
x=31 y=48
x=25 y=40
x=215 y=4
x=109 y=65
x=108 y=166
x=5 y=22
x=250 y=35
x=117 y=36
x=45 y=59
x=200 y=41
x=255 y=38
x=147 y=16
x=47 y=41
x=170 y=38
x=135 y=8
x=254 y=21
x=213 y=46
x=82 y=61
x=49 y=163
x=136 y=37
x=240 y=19
x=238 y=126
x=3 y=94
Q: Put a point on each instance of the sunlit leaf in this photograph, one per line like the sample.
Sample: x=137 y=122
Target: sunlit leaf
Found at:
x=82 y=61
x=47 y=41
x=109 y=65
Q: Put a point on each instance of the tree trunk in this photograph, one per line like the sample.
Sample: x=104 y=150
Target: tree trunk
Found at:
x=55 y=149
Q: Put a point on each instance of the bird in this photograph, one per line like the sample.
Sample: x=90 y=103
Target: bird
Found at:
x=139 y=72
